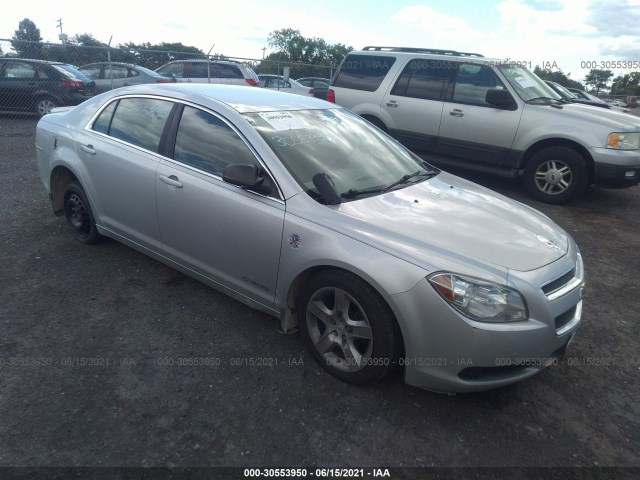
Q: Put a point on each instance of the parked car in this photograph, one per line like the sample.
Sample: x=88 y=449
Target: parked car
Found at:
x=320 y=85
x=37 y=86
x=463 y=110
x=276 y=82
x=115 y=75
x=593 y=100
x=225 y=72
x=307 y=212
x=573 y=98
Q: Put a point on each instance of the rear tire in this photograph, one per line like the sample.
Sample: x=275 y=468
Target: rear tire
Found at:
x=556 y=175
x=79 y=215
x=376 y=122
x=349 y=329
x=44 y=105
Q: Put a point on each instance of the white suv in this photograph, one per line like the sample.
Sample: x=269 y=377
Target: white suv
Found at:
x=460 y=109
x=225 y=72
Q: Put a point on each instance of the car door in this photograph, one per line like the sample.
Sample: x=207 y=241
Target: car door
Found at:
x=413 y=105
x=113 y=76
x=471 y=129
x=19 y=83
x=119 y=153
x=223 y=232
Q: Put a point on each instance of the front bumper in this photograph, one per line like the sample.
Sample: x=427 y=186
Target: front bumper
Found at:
x=448 y=352
x=616 y=168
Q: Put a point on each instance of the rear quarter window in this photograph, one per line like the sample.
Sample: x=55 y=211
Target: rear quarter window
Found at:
x=363 y=72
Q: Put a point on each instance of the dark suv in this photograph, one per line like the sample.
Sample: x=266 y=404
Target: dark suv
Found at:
x=39 y=85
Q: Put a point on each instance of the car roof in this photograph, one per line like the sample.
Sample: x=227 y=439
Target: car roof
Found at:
x=402 y=52
x=240 y=98
x=124 y=64
x=34 y=60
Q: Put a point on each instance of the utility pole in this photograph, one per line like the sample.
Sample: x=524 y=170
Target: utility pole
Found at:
x=263 y=49
x=59 y=25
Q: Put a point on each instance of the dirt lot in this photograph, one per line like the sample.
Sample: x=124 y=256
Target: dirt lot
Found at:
x=97 y=342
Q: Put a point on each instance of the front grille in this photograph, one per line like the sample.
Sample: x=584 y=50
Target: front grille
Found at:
x=558 y=283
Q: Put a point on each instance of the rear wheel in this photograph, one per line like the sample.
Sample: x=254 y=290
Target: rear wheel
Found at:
x=79 y=214
x=348 y=327
x=556 y=175
x=44 y=105
x=376 y=122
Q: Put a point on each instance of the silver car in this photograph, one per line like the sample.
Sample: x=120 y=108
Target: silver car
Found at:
x=307 y=212
x=115 y=75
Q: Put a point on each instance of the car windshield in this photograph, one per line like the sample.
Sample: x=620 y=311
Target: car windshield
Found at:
x=565 y=93
x=71 y=71
x=357 y=157
x=527 y=84
x=592 y=97
x=151 y=73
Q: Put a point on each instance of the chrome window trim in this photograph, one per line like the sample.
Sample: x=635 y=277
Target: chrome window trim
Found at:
x=87 y=127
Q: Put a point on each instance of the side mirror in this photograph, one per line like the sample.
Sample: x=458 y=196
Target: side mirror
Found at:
x=245 y=176
x=500 y=99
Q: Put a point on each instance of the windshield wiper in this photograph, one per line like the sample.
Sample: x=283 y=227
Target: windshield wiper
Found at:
x=353 y=192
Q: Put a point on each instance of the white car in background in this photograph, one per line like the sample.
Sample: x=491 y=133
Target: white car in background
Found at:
x=277 y=82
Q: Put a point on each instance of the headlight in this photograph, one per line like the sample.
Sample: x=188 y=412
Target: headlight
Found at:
x=624 y=141
x=480 y=300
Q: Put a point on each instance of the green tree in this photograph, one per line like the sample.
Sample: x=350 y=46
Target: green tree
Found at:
x=293 y=49
x=628 y=84
x=557 y=76
x=26 y=40
x=598 y=79
x=154 y=55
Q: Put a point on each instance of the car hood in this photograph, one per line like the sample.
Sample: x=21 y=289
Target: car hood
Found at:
x=617 y=120
x=449 y=216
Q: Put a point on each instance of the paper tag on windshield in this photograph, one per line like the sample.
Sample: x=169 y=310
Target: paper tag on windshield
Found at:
x=282 y=120
x=525 y=82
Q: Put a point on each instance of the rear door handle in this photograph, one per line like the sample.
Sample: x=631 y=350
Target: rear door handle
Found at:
x=392 y=103
x=88 y=148
x=172 y=180
x=456 y=113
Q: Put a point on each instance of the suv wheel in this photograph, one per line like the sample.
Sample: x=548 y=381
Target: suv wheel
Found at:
x=44 y=105
x=556 y=175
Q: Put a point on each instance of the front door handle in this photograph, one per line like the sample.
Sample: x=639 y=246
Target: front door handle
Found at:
x=88 y=149
x=456 y=113
x=392 y=103
x=171 y=180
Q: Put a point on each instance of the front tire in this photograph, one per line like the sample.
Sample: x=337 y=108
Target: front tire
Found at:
x=556 y=175
x=350 y=330
x=79 y=215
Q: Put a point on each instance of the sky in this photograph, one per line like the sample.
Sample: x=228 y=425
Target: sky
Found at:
x=572 y=35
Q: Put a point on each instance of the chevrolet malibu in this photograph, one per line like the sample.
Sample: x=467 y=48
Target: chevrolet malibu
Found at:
x=301 y=209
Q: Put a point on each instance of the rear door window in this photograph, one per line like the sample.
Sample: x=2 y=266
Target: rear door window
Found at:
x=363 y=72
x=138 y=121
x=423 y=78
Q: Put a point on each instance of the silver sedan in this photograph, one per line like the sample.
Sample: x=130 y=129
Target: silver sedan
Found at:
x=305 y=211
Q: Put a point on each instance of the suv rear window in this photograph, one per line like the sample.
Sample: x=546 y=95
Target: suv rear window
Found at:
x=221 y=70
x=424 y=79
x=363 y=72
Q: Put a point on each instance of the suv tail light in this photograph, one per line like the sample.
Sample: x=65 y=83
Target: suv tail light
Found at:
x=331 y=96
x=164 y=80
x=251 y=82
x=311 y=92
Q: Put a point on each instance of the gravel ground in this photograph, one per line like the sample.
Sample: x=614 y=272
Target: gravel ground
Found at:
x=95 y=340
